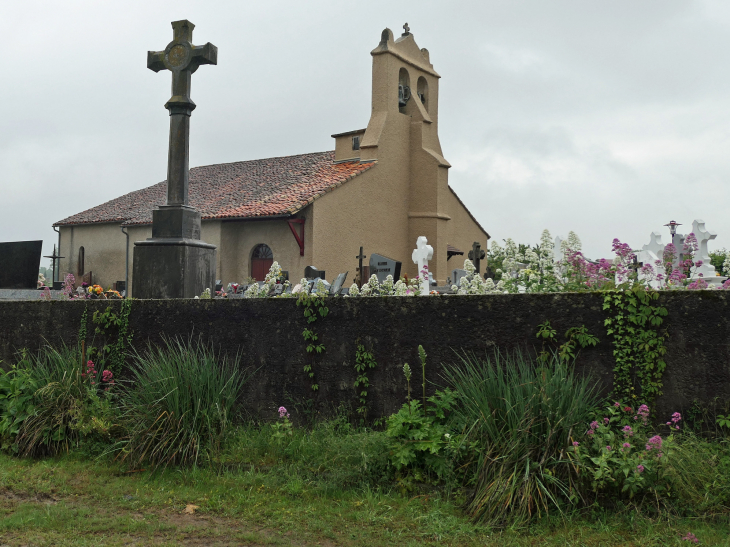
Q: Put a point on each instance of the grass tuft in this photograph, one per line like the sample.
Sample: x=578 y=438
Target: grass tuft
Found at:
x=522 y=415
x=179 y=403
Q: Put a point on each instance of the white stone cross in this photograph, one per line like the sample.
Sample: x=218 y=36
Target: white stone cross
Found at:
x=703 y=236
x=649 y=254
x=421 y=255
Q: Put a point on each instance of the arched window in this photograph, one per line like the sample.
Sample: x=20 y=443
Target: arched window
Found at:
x=422 y=90
x=404 y=89
x=261 y=260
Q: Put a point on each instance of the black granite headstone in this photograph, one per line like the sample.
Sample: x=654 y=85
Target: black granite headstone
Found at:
x=19 y=264
x=382 y=266
x=311 y=272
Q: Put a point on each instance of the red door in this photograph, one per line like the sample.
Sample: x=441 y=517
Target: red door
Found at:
x=260 y=267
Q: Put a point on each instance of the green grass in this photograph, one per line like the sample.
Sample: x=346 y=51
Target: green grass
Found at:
x=312 y=490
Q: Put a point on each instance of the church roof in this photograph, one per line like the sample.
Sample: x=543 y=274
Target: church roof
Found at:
x=244 y=189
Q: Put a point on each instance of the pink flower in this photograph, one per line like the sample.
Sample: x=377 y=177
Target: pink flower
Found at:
x=283 y=413
x=628 y=432
x=590 y=432
x=690 y=537
x=640 y=468
x=575 y=443
x=654 y=443
x=594 y=425
x=605 y=420
x=616 y=404
x=608 y=448
x=626 y=445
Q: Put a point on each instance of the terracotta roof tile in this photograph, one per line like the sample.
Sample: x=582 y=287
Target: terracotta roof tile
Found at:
x=245 y=189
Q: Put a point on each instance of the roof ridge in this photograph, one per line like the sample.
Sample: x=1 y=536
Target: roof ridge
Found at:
x=262 y=159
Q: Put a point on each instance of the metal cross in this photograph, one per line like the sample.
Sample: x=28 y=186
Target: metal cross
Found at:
x=476 y=255
x=407 y=29
x=53 y=258
x=181 y=58
x=360 y=257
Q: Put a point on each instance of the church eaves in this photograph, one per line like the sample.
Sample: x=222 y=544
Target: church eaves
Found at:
x=270 y=187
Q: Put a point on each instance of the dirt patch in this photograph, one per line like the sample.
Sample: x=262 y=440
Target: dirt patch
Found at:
x=6 y=494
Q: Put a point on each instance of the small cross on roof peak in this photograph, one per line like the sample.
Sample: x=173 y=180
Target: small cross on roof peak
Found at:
x=407 y=30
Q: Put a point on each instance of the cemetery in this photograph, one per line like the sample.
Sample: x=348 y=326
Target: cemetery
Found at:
x=509 y=384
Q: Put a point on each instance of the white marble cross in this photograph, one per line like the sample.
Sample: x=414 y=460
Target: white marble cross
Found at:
x=703 y=236
x=421 y=255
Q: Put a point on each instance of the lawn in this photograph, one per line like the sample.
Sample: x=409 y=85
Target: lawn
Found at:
x=72 y=500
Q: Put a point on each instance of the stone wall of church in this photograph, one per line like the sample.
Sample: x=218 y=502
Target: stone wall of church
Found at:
x=268 y=336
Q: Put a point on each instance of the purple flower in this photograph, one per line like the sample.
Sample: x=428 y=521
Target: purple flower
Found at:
x=690 y=537
x=628 y=432
x=626 y=445
x=608 y=448
x=283 y=413
x=640 y=468
x=576 y=443
x=590 y=432
x=654 y=443
x=676 y=417
x=594 y=424
x=616 y=404
x=605 y=420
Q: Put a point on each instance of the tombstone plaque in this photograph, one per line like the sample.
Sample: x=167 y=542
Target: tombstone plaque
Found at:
x=311 y=272
x=337 y=284
x=457 y=274
x=382 y=266
x=19 y=264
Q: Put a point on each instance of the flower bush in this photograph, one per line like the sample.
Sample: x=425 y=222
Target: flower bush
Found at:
x=620 y=455
x=273 y=278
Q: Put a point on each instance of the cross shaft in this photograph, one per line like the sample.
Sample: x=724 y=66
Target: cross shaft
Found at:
x=182 y=58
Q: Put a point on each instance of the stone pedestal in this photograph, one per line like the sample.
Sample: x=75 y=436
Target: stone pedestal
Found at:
x=173 y=263
x=172 y=268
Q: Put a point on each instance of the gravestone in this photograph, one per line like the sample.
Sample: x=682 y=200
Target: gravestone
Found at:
x=476 y=255
x=337 y=283
x=457 y=274
x=19 y=264
x=707 y=270
x=361 y=278
x=311 y=272
x=382 y=266
x=278 y=289
x=174 y=262
x=420 y=256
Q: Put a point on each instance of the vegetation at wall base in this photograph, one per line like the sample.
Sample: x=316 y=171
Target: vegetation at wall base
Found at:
x=522 y=416
x=179 y=403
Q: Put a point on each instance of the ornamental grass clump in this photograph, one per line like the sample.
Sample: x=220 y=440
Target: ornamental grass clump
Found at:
x=522 y=415
x=179 y=403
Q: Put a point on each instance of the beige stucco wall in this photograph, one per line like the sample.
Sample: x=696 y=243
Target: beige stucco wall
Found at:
x=239 y=237
x=103 y=251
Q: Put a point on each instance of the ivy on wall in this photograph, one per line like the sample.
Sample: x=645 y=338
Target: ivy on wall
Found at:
x=314 y=307
x=635 y=323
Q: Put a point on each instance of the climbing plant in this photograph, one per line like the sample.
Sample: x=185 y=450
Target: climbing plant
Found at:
x=635 y=323
x=314 y=308
x=113 y=326
x=364 y=360
x=576 y=338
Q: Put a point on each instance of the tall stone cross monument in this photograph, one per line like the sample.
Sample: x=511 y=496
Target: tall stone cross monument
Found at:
x=174 y=262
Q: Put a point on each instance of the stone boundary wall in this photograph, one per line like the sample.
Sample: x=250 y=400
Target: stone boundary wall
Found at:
x=268 y=336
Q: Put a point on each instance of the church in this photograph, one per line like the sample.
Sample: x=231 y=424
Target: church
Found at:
x=381 y=188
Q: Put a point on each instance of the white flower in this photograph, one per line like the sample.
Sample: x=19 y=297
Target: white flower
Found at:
x=354 y=290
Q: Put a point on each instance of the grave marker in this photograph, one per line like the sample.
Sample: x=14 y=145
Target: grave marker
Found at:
x=382 y=266
x=420 y=256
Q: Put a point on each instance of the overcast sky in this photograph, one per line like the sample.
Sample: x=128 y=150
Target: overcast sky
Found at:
x=606 y=118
